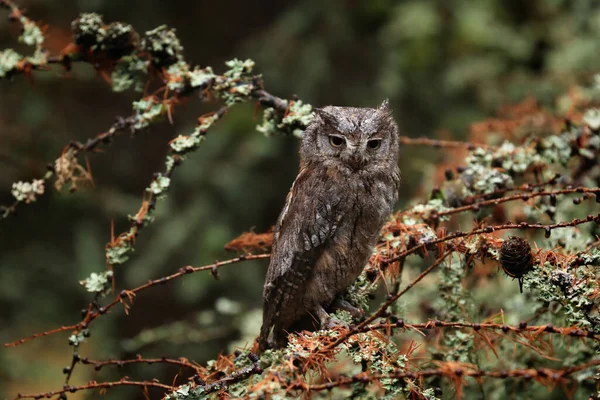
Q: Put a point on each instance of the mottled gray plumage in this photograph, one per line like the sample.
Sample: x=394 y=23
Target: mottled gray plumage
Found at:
x=343 y=194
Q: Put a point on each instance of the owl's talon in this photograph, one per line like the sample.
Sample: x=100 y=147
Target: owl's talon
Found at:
x=327 y=321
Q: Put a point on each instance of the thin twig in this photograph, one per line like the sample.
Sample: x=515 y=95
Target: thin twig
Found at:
x=96 y=385
x=127 y=295
x=457 y=371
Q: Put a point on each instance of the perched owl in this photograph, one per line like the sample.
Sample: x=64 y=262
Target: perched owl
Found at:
x=345 y=190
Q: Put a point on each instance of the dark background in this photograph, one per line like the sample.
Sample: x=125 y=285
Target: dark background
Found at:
x=443 y=65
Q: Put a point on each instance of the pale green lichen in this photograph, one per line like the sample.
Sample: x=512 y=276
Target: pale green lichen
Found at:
x=78 y=338
x=573 y=288
x=555 y=149
x=453 y=298
x=163 y=46
x=115 y=40
x=205 y=123
x=8 y=61
x=296 y=119
x=242 y=90
x=159 y=185
x=453 y=304
x=481 y=157
x=39 y=57
x=170 y=163
x=130 y=70
x=98 y=283
x=88 y=29
x=482 y=179
x=484 y=173
x=32 y=34
x=233 y=95
x=422 y=233
x=591 y=118
x=182 y=144
x=380 y=356
x=235 y=87
x=118 y=253
x=142 y=220
x=514 y=159
x=461 y=346
x=147 y=111
x=591 y=151
x=428 y=394
x=187 y=392
x=200 y=76
x=268 y=127
x=28 y=192
x=433 y=206
x=239 y=69
x=176 y=74
x=118 y=39
x=357 y=293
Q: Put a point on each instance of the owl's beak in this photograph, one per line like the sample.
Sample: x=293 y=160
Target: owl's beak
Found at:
x=356 y=162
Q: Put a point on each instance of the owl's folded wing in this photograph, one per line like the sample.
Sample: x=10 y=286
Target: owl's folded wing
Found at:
x=308 y=221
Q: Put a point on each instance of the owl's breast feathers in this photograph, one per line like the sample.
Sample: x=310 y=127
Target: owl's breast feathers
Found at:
x=317 y=229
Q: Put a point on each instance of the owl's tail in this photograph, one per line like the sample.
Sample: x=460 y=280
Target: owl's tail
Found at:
x=263 y=339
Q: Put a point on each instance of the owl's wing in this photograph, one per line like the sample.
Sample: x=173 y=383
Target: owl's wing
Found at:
x=310 y=217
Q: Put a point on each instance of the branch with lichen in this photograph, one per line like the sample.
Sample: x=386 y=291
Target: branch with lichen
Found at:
x=117 y=51
x=411 y=232
x=32 y=35
x=446 y=245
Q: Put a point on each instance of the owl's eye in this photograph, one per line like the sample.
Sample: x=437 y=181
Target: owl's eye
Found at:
x=374 y=144
x=336 y=141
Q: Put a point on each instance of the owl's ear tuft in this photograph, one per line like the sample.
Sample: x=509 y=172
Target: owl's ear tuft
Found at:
x=385 y=107
x=325 y=115
x=386 y=118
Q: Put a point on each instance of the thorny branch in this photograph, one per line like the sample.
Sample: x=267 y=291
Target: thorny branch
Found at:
x=125 y=297
x=458 y=371
x=235 y=376
x=98 y=364
x=491 y=229
x=144 y=385
x=392 y=298
x=505 y=328
x=522 y=196
x=439 y=144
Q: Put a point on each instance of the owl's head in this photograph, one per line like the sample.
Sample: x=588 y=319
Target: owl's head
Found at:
x=353 y=139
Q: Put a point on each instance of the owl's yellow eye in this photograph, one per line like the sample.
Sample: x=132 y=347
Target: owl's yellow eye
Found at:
x=374 y=144
x=336 y=141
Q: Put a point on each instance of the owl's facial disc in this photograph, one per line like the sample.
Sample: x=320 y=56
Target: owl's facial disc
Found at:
x=355 y=139
x=353 y=155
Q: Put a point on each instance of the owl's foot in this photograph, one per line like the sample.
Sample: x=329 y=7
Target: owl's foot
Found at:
x=266 y=344
x=327 y=321
x=341 y=304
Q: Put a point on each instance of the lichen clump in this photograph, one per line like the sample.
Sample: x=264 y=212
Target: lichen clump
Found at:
x=163 y=46
x=28 y=192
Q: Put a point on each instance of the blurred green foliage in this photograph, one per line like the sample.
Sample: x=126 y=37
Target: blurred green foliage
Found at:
x=443 y=64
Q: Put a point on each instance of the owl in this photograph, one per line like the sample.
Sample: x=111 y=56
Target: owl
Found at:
x=346 y=189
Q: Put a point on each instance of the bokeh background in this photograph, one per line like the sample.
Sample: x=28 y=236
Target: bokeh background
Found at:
x=443 y=65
